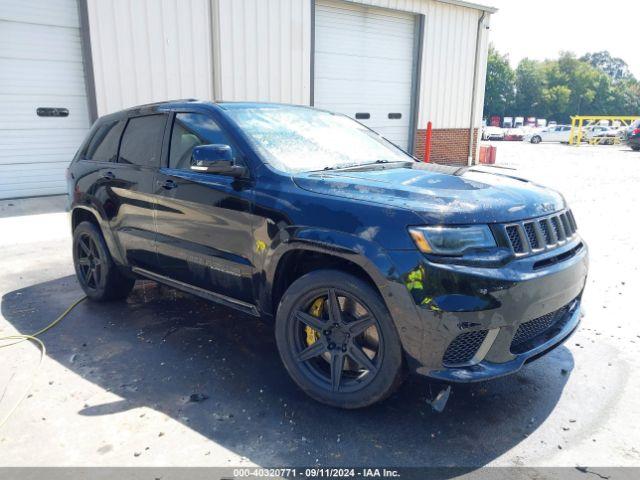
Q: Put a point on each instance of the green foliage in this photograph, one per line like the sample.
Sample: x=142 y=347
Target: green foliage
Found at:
x=595 y=84
x=530 y=86
x=498 y=94
x=616 y=68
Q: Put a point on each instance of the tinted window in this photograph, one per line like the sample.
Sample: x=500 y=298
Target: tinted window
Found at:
x=142 y=141
x=103 y=146
x=191 y=130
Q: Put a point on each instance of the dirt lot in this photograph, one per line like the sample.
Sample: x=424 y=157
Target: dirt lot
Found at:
x=115 y=388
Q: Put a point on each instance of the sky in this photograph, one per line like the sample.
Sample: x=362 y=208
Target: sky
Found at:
x=540 y=29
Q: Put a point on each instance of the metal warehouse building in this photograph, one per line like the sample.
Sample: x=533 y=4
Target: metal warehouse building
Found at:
x=393 y=64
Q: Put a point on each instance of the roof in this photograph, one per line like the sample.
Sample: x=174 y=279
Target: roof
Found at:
x=476 y=6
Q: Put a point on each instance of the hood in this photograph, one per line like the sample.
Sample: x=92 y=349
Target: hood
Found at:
x=439 y=193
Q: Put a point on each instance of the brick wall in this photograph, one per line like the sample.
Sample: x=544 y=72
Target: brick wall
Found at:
x=448 y=145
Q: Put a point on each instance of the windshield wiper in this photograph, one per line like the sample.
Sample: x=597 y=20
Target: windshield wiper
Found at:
x=356 y=165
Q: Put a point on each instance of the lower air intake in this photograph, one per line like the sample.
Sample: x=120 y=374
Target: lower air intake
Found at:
x=464 y=347
x=529 y=331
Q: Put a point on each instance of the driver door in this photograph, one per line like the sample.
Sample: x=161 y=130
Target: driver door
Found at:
x=204 y=221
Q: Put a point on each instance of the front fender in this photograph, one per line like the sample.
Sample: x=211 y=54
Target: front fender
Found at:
x=368 y=255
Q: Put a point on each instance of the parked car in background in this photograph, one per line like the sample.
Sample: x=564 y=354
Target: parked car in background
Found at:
x=557 y=133
x=633 y=136
x=493 y=133
x=514 y=134
x=605 y=133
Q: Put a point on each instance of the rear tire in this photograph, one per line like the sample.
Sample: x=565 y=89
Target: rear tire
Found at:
x=352 y=362
x=97 y=274
x=635 y=148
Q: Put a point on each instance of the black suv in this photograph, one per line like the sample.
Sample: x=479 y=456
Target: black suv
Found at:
x=370 y=262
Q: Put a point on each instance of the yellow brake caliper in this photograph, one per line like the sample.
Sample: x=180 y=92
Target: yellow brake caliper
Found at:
x=316 y=310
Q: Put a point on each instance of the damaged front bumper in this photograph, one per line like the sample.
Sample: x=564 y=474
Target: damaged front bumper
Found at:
x=487 y=370
x=469 y=324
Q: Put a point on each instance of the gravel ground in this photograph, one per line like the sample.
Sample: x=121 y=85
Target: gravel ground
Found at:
x=116 y=387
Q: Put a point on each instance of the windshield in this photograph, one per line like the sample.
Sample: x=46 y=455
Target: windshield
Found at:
x=299 y=139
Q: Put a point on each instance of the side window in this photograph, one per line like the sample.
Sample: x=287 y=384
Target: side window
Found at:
x=190 y=130
x=142 y=141
x=103 y=146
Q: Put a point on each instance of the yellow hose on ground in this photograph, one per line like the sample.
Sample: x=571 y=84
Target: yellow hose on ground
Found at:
x=43 y=351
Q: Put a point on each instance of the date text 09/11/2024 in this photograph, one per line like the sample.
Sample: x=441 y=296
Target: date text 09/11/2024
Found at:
x=318 y=472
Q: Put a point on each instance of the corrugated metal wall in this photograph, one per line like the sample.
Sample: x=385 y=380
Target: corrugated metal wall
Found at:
x=150 y=50
x=447 y=60
x=262 y=50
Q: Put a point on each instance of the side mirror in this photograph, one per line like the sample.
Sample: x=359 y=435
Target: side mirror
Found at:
x=217 y=159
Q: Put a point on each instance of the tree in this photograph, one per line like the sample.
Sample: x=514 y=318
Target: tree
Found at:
x=581 y=78
x=595 y=84
x=498 y=95
x=556 y=102
x=616 y=68
x=530 y=83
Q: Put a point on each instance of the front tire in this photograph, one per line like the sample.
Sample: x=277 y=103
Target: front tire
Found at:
x=536 y=139
x=97 y=274
x=338 y=341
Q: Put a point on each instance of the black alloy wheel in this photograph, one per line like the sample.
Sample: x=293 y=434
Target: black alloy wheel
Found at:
x=89 y=261
x=337 y=341
x=98 y=275
x=346 y=351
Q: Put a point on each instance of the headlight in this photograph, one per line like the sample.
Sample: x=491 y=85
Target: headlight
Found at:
x=451 y=240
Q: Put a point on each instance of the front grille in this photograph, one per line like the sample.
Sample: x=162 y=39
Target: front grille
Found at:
x=464 y=347
x=533 y=236
x=514 y=238
x=532 y=329
x=544 y=226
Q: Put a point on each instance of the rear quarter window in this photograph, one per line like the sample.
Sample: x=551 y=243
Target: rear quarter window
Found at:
x=103 y=146
x=142 y=141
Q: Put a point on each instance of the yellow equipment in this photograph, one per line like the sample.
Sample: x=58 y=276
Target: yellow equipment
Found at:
x=579 y=122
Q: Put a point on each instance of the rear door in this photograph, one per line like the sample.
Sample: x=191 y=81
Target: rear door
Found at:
x=545 y=134
x=131 y=189
x=204 y=220
x=555 y=134
x=564 y=134
x=93 y=170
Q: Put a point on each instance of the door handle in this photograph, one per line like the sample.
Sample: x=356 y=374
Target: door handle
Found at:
x=167 y=184
x=108 y=176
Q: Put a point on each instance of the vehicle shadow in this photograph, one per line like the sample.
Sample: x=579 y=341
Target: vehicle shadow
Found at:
x=162 y=346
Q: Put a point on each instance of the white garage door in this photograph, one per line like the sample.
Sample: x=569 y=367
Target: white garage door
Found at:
x=364 y=63
x=40 y=67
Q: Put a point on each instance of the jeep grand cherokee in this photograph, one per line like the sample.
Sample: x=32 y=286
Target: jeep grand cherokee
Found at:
x=368 y=261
